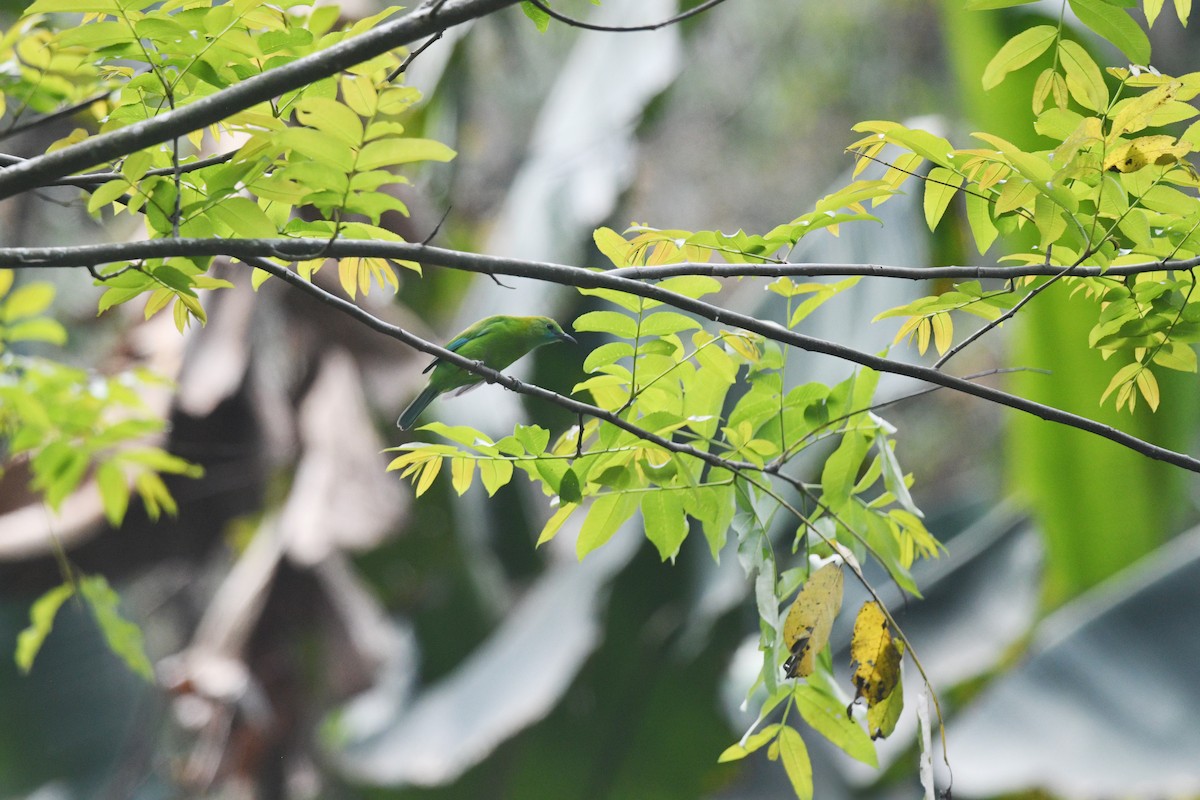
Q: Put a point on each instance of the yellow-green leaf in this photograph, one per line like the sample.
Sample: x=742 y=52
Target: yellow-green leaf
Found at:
x=940 y=187
x=739 y=751
x=1017 y=52
x=555 y=523
x=390 y=152
x=41 y=622
x=122 y=636
x=1085 y=82
x=462 y=471
x=608 y=512
x=1148 y=385
x=495 y=473
x=883 y=716
x=796 y=763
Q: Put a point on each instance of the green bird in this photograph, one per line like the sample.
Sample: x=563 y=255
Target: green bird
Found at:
x=496 y=342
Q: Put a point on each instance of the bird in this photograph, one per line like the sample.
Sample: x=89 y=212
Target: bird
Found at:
x=496 y=342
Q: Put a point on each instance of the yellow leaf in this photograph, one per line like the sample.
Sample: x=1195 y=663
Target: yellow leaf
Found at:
x=430 y=471
x=741 y=344
x=462 y=471
x=348 y=276
x=943 y=331
x=874 y=656
x=810 y=619
x=1144 y=151
x=923 y=331
x=907 y=329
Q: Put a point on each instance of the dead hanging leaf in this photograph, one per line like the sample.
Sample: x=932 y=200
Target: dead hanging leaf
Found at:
x=810 y=619
x=1144 y=151
x=874 y=656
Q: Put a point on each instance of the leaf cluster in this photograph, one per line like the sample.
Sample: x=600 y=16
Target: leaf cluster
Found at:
x=330 y=147
x=710 y=460
x=1115 y=188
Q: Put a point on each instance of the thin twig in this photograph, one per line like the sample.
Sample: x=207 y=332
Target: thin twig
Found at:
x=588 y=26
x=400 y=70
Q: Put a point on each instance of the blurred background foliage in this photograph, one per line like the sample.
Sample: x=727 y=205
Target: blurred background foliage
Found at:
x=319 y=634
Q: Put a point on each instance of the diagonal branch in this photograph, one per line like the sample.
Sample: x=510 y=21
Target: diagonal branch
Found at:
x=300 y=249
x=424 y=21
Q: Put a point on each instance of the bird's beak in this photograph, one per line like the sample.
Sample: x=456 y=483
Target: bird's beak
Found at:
x=566 y=337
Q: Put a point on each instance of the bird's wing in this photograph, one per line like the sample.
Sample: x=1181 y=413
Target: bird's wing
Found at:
x=480 y=328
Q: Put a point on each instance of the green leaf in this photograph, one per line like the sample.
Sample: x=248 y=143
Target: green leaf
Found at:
x=42 y=329
x=605 y=354
x=244 y=217
x=940 y=187
x=608 y=512
x=841 y=469
x=568 y=488
x=979 y=217
x=555 y=523
x=1017 y=52
x=1085 y=82
x=989 y=5
x=613 y=322
x=41 y=621
x=883 y=716
x=661 y=323
x=1115 y=25
x=331 y=117
x=665 y=521
x=540 y=18
x=796 y=763
x=114 y=492
x=739 y=751
x=827 y=715
x=123 y=637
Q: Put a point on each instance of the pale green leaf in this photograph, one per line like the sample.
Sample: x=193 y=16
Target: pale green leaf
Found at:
x=826 y=714
x=607 y=514
x=940 y=187
x=796 y=763
x=1017 y=52
x=390 y=152
x=114 y=492
x=665 y=521
x=1085 y=82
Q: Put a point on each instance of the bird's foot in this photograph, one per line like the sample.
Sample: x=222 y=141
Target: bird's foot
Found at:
x=487 y=378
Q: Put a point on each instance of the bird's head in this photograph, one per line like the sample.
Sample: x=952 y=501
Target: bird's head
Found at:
x=547 y=330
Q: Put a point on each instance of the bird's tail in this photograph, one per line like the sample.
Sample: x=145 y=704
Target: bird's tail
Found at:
x=409 y=417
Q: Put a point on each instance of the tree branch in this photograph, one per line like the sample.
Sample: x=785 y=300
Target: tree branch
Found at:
x=300 y=249
x=424 y=21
